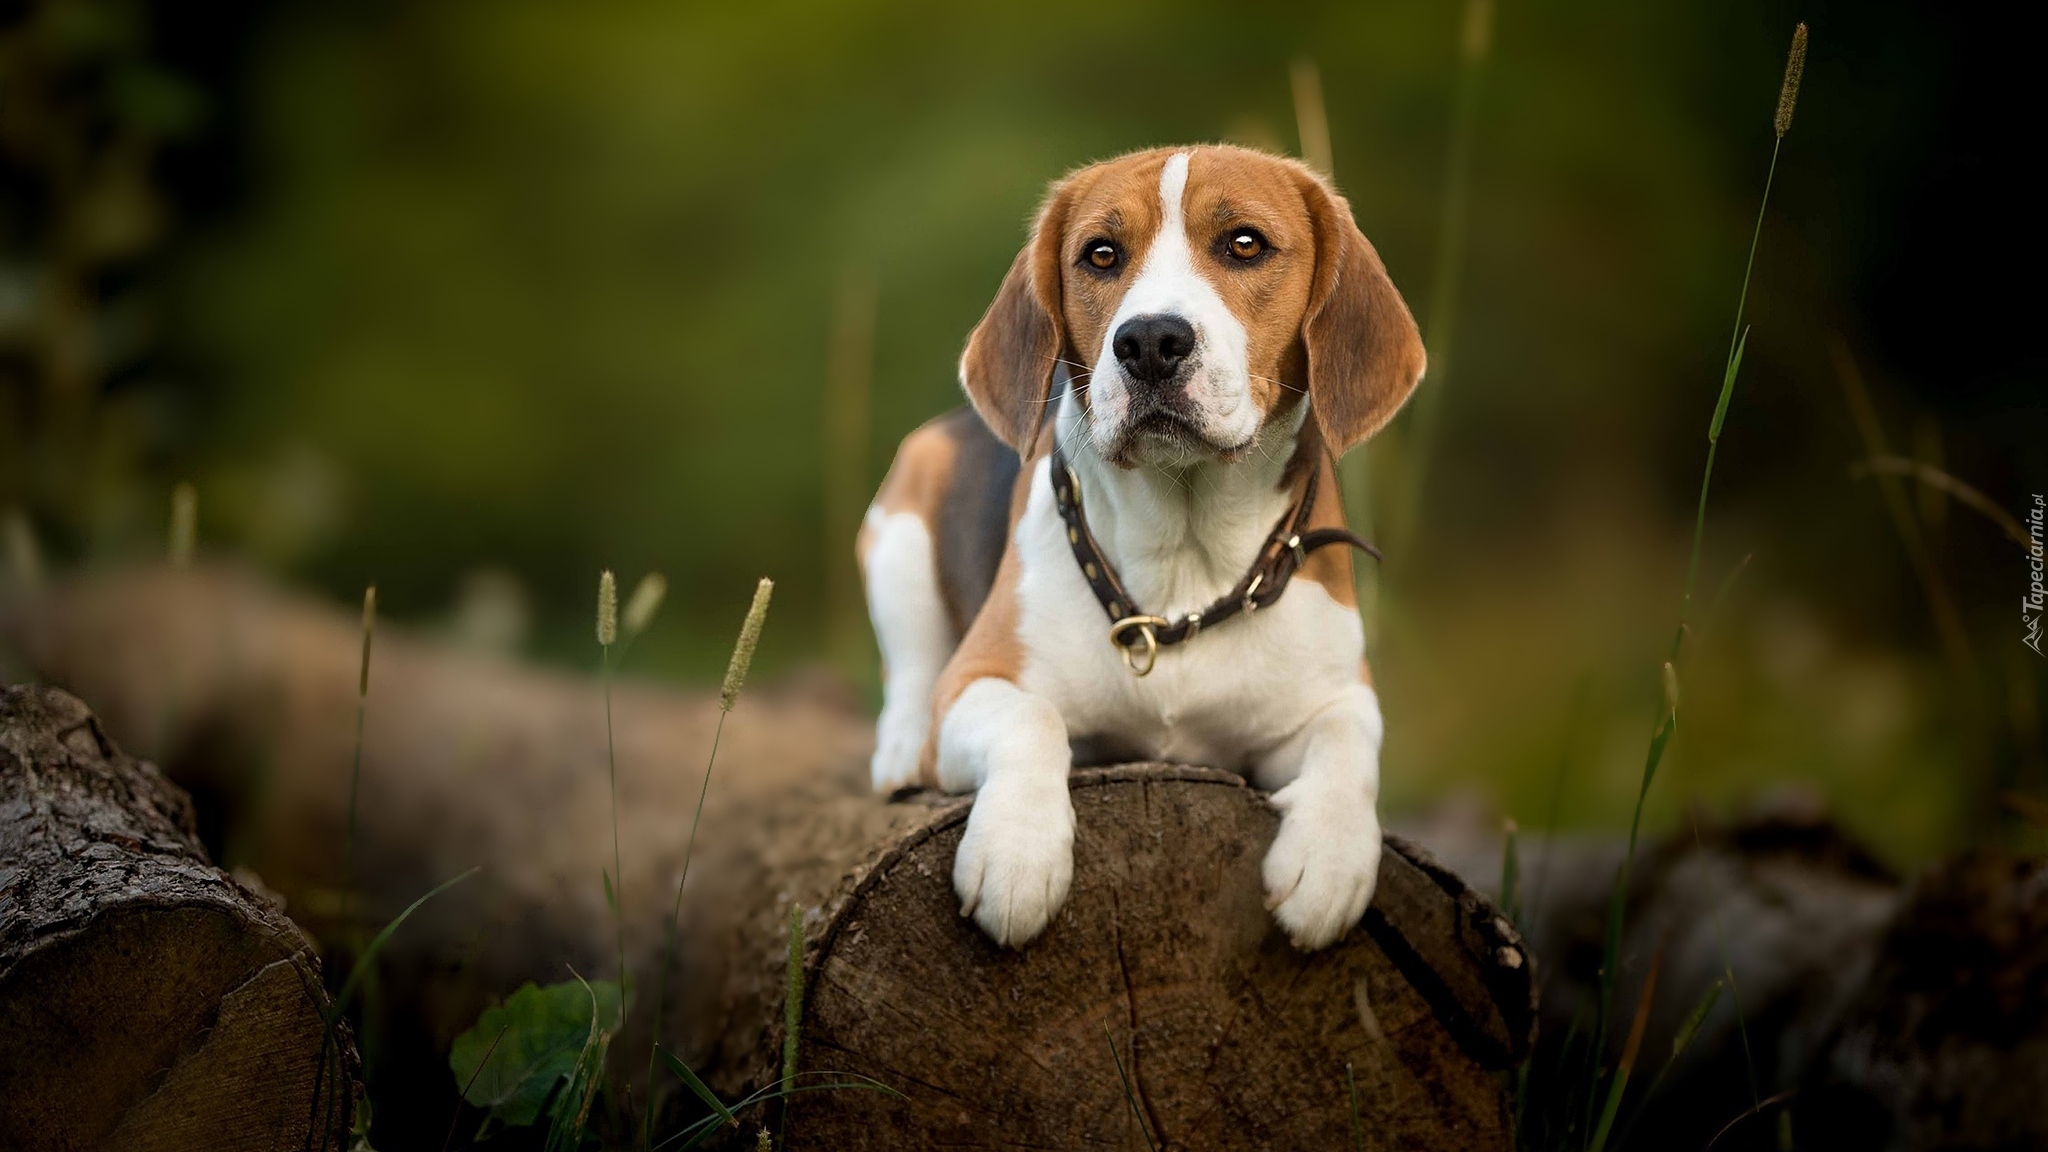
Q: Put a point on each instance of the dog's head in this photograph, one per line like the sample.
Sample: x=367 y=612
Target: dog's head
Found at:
x=1196 y=295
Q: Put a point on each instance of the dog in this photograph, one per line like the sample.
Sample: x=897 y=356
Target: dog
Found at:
x=1132 y=547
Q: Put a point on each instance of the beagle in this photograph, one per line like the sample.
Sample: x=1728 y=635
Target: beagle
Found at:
x=1119 y=553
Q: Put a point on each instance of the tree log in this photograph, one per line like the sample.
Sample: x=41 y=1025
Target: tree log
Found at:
x=1165 y=958
x=1879 y=1014
x=467 y=761
x=148 y=1000
x=1941 y=1038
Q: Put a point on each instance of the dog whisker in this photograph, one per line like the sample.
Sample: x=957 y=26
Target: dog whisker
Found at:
x=1076 y=388
x=1277 y=383
x=1069 y=363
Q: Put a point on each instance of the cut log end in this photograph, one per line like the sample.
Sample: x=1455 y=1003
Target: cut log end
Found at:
x=147 y=1000
x=1164 y=957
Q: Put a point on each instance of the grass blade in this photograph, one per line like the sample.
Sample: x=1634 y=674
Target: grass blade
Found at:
x=703 y=1091
x=728 y=695
x=1746 y=1113
x=1617 y=903
x=1357 y=1129
x=348 y=988
x=702 y=1130
x=1619 y=1086
x=1680 y=1041
x=355 y=973
x=1698 y=1017
x=792 y=1001
x=607 y=598
x=1130 y=1094
x=1727 y=388
x=570 y=1117
x=449 y=1139
x=1934 y=478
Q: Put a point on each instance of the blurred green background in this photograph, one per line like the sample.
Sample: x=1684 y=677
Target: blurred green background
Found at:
x=471 y=299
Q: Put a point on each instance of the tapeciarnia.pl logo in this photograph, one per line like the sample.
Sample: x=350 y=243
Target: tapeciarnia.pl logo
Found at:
x=2037 y=596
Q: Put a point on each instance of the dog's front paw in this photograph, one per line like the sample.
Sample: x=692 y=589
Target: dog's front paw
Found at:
x=1323 y=866
x=899 y=745
x=1016 y=860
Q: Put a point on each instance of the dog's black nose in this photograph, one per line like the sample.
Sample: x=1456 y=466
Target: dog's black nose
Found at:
x=1151 y=348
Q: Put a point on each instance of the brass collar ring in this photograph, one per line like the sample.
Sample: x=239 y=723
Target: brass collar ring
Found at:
x=1144 y=625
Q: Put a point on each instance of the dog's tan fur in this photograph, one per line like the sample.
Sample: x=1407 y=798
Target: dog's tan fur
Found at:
x=1321 y=325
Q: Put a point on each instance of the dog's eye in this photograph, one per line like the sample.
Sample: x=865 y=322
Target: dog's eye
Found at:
x=1102 y=254
x=1246 y=244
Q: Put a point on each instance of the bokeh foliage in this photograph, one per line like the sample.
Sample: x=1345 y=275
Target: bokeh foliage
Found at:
x=472 y=299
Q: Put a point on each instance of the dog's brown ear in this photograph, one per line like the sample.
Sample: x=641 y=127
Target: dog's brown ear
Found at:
x=1364 y=353
x=1007 y=369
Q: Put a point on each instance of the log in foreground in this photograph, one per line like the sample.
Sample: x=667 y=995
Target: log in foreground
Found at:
x=148 y=1000
x=470 y=761
x=1165 y=958
x=1918 y=1010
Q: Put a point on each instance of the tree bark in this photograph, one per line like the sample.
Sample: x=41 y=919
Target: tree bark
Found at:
x=1165 y=958
x=1230 y=1035
x=148 y=1000
x=1879 y=1013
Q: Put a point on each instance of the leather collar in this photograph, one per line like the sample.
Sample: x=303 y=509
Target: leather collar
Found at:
x=1286 y=549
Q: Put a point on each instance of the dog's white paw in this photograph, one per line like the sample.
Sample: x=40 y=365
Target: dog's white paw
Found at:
x=899 y=746
x=1323 y=866
x=1016 y=860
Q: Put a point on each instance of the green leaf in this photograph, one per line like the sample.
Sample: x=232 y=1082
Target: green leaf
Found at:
x=611 y=898
x=703 y=1090
x=1727 y=388
x=569 y=1118
x=546 y=1031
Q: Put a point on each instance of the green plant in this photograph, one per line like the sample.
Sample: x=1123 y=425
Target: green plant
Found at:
x=522 y=1054
x=792 y=999
x=793 y=991
x=696 y=1133
x=569 y=1118
x=327 y=1070
x=608 y=635
x=728 y=695
x=1619 y=1084
x=355 y=772
x=1130 y=1093
x=1591 y=1076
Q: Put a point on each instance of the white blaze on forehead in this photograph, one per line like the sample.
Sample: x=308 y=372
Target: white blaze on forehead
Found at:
x=1169 y=284
x=1173 y=188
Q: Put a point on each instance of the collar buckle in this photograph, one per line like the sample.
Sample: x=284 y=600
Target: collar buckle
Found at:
x=1251 y=605
x=1144 y=625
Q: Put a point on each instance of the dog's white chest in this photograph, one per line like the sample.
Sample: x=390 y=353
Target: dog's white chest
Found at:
x=1222 y=698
